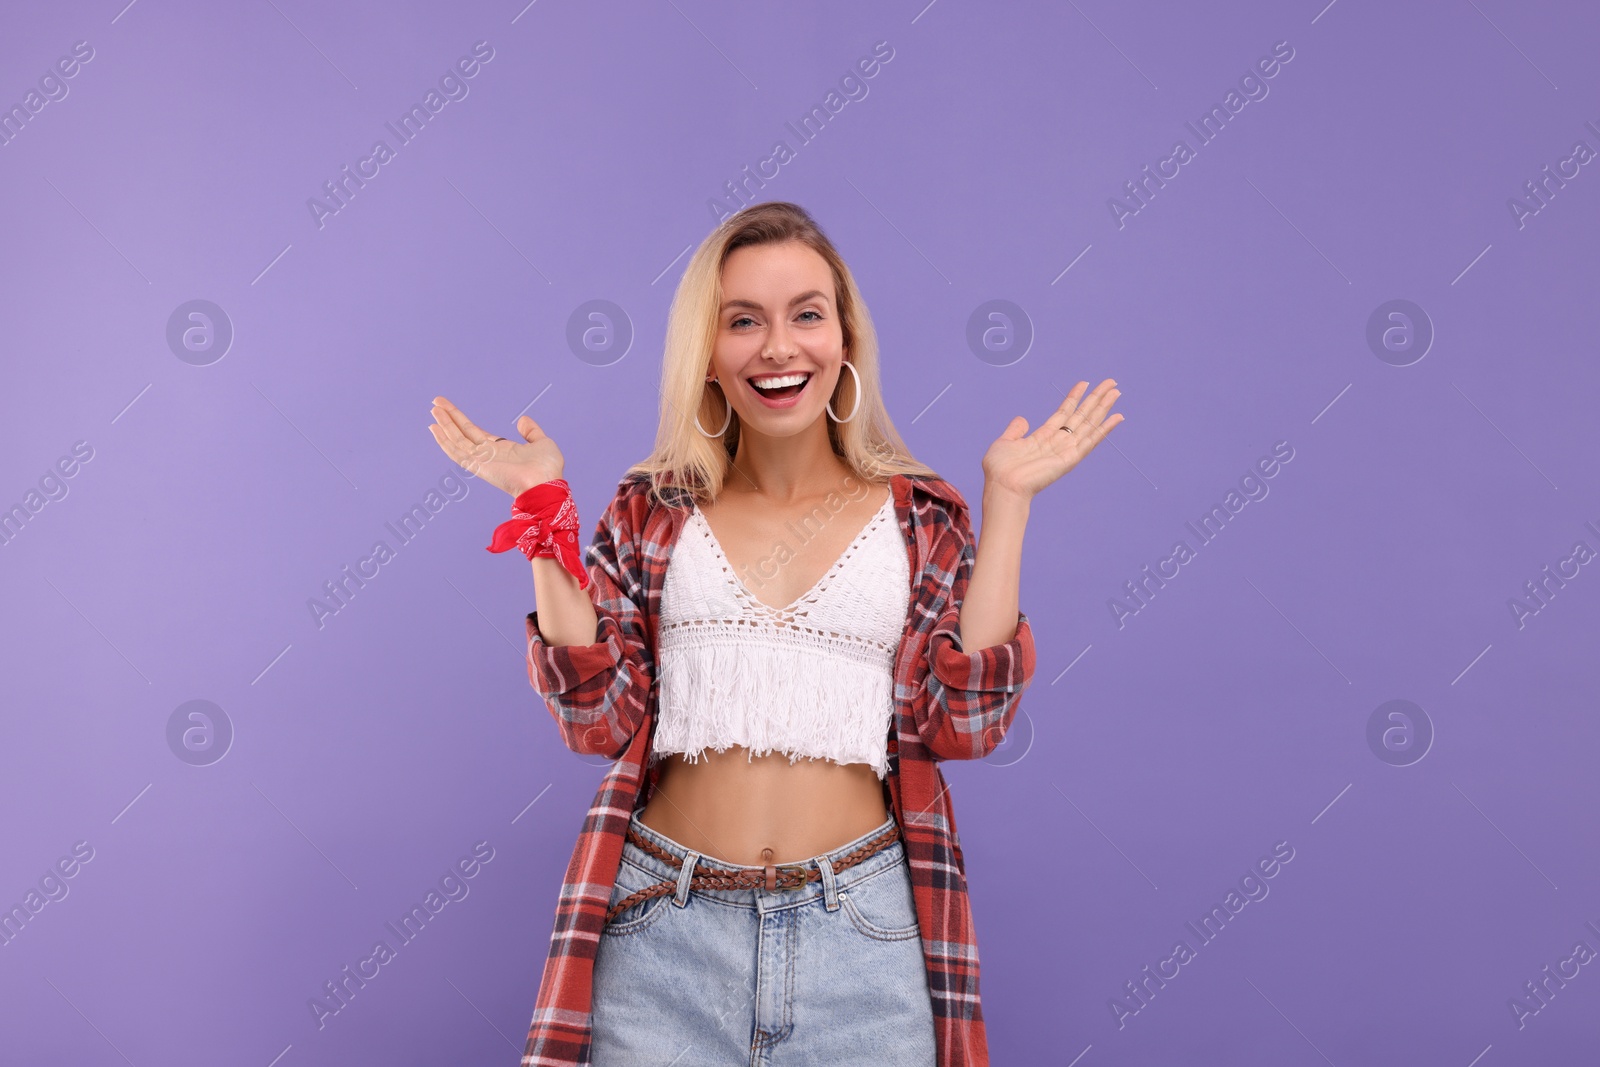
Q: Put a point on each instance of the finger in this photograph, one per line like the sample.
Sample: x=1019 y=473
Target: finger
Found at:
x=1063 y=410
x=471 y=455
x=444 y=442
x=1102 y=429
x=451 y=431
x=1058 y=418
x=1104 y=408
x=1080 y=413
x=1093 y=411
x=447 y=413
x=1071 y=402
x=455 y=446
x=468 y=429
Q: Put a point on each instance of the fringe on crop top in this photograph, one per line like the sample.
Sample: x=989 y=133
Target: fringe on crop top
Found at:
x=814 y=679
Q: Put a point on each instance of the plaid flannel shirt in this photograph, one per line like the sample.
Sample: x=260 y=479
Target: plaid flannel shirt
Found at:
x=949 y=704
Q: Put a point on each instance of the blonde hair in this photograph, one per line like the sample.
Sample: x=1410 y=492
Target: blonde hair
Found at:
x=685 y=457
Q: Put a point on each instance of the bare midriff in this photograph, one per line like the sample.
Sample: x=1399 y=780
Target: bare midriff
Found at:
x=763 y=810
x=755 y=811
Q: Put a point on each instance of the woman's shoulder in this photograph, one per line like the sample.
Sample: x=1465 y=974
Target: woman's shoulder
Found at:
x=936 y=503
x=639 y=487
x=936 y=488
x=637 y=498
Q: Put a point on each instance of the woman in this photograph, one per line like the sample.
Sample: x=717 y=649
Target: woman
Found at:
x=789 y=625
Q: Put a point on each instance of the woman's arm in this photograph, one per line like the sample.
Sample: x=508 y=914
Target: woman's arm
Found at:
x=569 y=615
x=977 y=672
x=588 y=659
x=974 y=689
x=989 y=610
x=596 y=690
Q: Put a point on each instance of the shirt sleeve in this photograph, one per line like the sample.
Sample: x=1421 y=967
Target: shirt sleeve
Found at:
x=598 y=693
x=973 y=694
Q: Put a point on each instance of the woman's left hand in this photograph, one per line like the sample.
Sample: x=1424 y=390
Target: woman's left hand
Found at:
x=1023 y=465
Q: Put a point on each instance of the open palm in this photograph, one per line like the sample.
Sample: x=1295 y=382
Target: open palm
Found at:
x=514 y=466
x=1026 y=464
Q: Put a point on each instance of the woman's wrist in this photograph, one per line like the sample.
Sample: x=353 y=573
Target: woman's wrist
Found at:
x=544 y=522
x=1005 y=502
x=527 y=483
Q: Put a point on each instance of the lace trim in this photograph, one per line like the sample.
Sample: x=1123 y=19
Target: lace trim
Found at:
x=796 y=608
x=702 y=633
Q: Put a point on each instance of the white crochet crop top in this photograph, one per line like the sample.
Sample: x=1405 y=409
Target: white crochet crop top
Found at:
x=813 y=680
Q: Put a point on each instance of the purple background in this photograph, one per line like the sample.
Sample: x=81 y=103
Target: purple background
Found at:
x=1154 y=761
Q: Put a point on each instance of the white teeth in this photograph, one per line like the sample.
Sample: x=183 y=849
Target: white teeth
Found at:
x=779 y=383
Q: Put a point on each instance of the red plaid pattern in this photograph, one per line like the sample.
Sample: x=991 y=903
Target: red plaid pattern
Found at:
x=950 y=704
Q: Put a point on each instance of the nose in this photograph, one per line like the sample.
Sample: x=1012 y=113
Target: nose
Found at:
x=780 y=346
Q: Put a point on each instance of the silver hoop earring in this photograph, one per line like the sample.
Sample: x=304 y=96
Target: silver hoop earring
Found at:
x=725 y=422
x=857 y=375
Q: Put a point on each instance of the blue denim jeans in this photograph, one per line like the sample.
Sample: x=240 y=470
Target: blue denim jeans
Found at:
x=829 y=973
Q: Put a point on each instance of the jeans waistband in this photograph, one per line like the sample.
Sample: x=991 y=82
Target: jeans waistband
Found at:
x=891 y=855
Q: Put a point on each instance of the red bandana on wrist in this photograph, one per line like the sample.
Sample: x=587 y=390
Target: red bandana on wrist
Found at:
x=544 y=522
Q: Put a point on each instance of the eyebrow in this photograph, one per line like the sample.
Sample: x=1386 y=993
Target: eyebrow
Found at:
x=802 y=298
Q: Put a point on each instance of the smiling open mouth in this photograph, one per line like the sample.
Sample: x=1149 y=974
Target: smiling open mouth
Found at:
x=784 y=387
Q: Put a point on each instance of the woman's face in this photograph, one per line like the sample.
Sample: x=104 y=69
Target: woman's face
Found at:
x=778 y=318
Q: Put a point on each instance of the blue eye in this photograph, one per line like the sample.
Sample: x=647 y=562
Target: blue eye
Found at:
x=816 y=317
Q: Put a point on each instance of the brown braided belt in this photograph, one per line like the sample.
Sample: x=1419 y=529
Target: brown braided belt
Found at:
x=770 y=877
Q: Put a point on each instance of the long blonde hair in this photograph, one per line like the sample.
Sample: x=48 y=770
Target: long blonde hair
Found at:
x=685 y=457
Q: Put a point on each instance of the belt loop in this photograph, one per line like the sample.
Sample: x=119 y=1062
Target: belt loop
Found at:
x=830 y=891
x=681 y=898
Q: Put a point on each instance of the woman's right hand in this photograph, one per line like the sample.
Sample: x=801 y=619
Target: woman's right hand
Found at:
x=515 y=466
